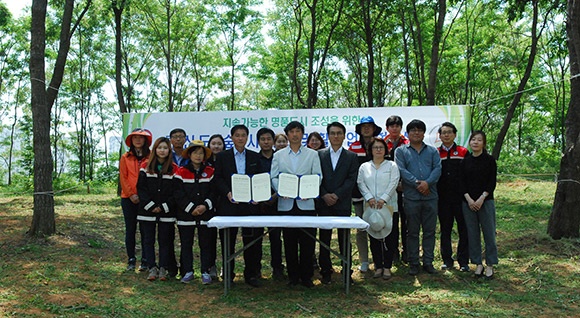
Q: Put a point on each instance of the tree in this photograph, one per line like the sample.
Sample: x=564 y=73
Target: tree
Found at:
x=565 y=219
x=42 y=99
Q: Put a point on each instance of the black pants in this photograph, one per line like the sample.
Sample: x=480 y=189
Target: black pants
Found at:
x=299 y=248
x=252 y=254
x=325 y=236
x=275 y=237
x=450 y=211
x=186 y=236
x=383 y=250
x=165 y=232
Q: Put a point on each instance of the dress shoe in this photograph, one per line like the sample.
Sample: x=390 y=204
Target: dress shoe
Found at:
x=307 y=283
x=414 y=270
x=292 y=282
x=464 y=268
x=278 y=273
x=326 y=278
x=254 y=282
x=447 y=266
x=429 y=269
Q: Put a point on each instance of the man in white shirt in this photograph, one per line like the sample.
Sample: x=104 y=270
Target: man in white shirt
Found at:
x=297 y=160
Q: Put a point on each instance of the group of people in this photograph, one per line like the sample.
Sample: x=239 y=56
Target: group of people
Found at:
x=399 y=185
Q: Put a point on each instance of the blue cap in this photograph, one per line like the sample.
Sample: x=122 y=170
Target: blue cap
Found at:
x=368 y=120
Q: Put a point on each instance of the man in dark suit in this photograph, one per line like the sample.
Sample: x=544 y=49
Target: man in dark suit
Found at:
x=239 y=160
x=339 y=174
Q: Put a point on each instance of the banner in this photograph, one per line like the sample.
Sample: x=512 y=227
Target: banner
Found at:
x=201 y=125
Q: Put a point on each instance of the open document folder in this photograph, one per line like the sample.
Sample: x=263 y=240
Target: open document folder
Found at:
x=298 y=187
x=256 y=188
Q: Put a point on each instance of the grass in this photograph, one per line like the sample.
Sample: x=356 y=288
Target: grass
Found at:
x=80 y=271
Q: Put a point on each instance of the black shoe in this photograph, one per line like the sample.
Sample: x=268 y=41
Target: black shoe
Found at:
x=464 y=268
x=307 y=283
x=315 y=265
x=293 y=282
x=326 y=278
x=404 y=257
x=429 y=269
x=254 y=282
x=278 y=273
x=414 y=270
x=447 y=267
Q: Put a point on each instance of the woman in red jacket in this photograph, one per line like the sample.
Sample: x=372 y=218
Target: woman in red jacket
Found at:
x=156 y=208
x=138 y=142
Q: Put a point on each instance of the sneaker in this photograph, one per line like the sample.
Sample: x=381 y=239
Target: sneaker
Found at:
x=464 y=268
x=213 y=272
x=163 y=274
x=153 y=272
x=142 y=267
x=131 y=265
x=364 y=267
x=378 y=273
x=206 y=278
x=188 y=277
x=387 y=274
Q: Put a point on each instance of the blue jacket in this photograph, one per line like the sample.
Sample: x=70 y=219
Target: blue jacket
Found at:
x=424 y=165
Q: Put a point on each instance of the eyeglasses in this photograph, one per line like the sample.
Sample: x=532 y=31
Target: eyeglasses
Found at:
x=446 y=132
x=378 y=148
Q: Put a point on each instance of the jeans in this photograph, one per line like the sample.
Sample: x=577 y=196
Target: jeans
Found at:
x=421 y=214
x=482 y=221
x=130 y=215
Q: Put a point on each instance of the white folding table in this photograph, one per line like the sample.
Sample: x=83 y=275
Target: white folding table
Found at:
x=282 y=221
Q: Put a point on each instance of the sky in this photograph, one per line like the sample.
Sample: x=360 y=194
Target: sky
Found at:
x=16 y=6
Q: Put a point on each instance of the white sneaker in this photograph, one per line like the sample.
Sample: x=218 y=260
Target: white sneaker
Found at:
x=364 y=267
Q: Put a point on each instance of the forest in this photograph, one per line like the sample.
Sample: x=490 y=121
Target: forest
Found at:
x=506 y=59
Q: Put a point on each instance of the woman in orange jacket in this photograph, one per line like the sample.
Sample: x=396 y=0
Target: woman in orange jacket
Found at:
x=138 y=142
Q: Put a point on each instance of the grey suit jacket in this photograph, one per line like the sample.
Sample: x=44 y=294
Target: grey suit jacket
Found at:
x=339 y=181
x=308 y=163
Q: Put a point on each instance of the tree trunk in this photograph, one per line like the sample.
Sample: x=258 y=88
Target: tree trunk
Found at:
x=43 y=216
x=118 y=7
x=518 y=96
x=434 y=64
x=565 y=217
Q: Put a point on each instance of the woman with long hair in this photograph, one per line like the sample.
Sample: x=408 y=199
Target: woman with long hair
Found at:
x=138 y=142
x=157 y=213
x=478 y=181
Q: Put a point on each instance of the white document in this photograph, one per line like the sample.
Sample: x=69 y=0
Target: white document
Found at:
x=261 y=187
x=287 y=185
x=255 y=188
x=241 y=188
x=309 y=186
x=304 y=187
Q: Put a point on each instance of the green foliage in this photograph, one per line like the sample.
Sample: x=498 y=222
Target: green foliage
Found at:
x=544 y=161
